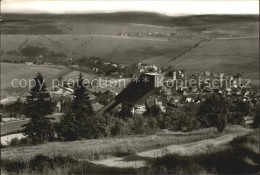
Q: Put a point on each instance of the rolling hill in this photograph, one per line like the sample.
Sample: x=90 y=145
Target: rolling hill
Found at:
x=86 y=35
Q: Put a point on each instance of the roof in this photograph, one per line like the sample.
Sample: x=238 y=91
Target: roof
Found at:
x=153 y=73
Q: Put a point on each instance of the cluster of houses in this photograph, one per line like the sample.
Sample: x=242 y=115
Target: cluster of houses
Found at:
x=226 y=85
x=147 y=68
x=145 y=34
x=232 y=87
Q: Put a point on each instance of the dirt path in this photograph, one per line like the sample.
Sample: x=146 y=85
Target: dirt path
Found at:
x=139 y=159
x=234 y=38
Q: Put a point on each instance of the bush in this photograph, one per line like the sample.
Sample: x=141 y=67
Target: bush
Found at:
x=137 y=124
x=221 y=122
x=215 y=109
x=236 y=118
x=176 y=164
x=183 y=119
x=15 y=142
x=256 y=121
x=2 y=146
x=119 y=127
x=184 y=122
x=140 y=125
x=41 y=162
x=13 y=165
x=25 y=141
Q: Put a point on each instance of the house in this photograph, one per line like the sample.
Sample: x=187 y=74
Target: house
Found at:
x=114 y=65
x=29 y=63
x=69 y=90
x=189 y=100
x=139 y=109
x=58 y=106
x=75 y=66
x=207 y=73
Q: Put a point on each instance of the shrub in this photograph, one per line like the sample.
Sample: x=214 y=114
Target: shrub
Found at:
x=41 y=162
x=25 y=141
x=215 y=109
x=140 y=125
x=236 y=118
x=119 y=127
x=176 y=164
x=256 y=121
x=15 y=142
x=13 y=165
x=2 y=146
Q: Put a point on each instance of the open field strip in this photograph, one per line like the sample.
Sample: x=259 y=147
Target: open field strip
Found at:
x=13 y=126
x=98 y=149
x=245 y=37
x=139 y=159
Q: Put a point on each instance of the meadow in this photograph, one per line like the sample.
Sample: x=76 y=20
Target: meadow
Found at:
x=122 y=50
x=239 y=155
x=219 y=55
x=16 y=126
x=96 y=149
x=12 y=127
x=226 y=55
x=9 y=72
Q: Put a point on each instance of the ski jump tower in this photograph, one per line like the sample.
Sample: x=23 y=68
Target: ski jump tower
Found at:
x=136 y=92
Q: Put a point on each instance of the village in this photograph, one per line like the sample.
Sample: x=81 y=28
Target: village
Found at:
x=192 y=87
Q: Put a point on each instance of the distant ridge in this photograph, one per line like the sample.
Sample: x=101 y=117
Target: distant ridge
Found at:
x=136 y=17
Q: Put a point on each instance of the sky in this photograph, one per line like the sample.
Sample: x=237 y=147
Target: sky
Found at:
x=166 y=7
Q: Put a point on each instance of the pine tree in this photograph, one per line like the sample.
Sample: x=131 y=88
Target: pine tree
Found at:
x=81 y=104
x=19 y=107
x=38 y=105
x=78 y=123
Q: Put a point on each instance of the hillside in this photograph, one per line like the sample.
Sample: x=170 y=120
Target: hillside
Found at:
x=223 y=55
x=9 y=72
x=130 y=37
x=121 y=50
x=97 y=23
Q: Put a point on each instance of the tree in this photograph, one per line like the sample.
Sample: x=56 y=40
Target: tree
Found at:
x=77 y=123
x=38 y=105
x=81 y=103
x=125 y=111
x=215 y=108
x=183 y=118
x=19 y=107
x=154 y=111
x=238 y=111
x=256 y=120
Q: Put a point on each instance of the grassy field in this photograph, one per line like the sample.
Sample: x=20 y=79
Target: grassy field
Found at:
x=74 y=74
x=238 y=156
x=102 y=148
x=118 y=49
x=227 y=56
x=23 y=71
x=12 y=127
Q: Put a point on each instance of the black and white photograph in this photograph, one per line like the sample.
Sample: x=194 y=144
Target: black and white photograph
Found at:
x=129 y=87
